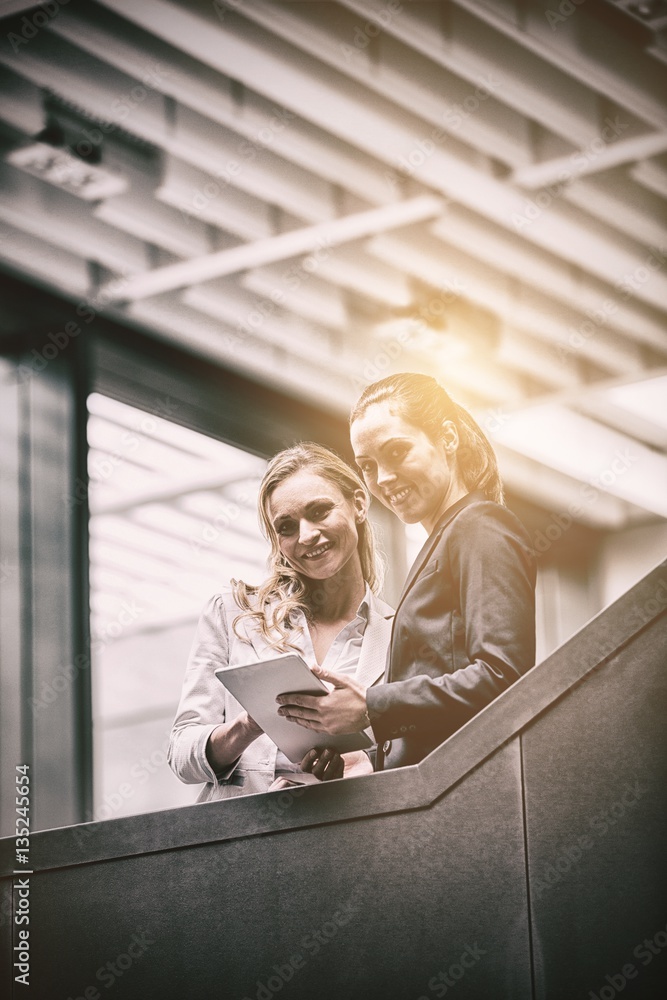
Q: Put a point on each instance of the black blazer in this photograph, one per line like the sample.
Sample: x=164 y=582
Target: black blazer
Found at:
x=464 y=630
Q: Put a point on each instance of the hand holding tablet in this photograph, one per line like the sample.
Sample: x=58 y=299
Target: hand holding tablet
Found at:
x=257 y=685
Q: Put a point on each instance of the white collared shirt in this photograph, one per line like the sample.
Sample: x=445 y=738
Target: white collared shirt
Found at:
x=342 y=656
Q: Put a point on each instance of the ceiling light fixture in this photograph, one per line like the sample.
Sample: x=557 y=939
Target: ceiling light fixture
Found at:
x=67 y=171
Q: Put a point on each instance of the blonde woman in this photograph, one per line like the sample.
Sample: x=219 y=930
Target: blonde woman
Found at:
x=320 y=600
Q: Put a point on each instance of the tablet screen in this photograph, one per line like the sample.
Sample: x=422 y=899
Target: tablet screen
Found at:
x=257 y=685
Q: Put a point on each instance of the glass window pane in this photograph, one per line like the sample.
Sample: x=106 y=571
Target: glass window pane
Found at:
x=173 y=518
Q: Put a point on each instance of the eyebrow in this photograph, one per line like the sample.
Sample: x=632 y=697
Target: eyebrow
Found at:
x=386 y=444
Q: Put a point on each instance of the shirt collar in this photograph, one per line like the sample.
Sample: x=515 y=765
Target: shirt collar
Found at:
x=364 y=609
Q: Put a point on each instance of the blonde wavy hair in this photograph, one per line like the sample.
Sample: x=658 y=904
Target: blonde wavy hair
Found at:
x=272 y=607
x=423 y=402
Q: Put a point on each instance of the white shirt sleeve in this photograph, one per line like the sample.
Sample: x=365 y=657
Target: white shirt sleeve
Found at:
x=202 y=705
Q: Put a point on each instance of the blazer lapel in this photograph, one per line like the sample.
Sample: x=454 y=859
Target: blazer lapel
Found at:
x=373 y=656
x=433 y=540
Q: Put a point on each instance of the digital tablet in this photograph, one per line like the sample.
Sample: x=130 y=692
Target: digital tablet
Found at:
x=257 y=685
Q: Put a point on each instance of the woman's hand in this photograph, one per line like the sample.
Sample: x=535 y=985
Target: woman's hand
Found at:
x=342 y=710
x=279 y=783
x=326 y=765
x=228 y=740
x=357 y=762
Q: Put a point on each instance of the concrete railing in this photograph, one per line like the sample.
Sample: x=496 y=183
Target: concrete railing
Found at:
x=524 y=858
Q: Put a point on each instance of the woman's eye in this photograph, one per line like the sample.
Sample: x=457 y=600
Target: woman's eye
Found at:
x=286 y=528
x=321 y=512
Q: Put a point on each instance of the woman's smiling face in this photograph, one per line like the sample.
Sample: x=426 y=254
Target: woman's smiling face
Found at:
x=404 y=468
x=316 y=525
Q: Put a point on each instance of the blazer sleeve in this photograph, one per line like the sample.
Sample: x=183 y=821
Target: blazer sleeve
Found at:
x=202 y=705
x=490 y=563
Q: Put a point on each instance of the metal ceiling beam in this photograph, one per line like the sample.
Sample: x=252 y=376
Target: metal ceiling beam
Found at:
x=235 y=306
x=479 y=247
x=318 y=301
x=532 y=71
x=398 y=73
x=39 y=208
x=561 y=102
x=318 y=238
x=596 y=406
x=556 y=491
x=330 y=100
x=201 y=88
x=597 y=341
x=314 y=380
x=538 y=38
x=533 y=315
x=575 y=397
x=539 y=277
x=10 y=7
x=631 y=210
x=606 y=460
x=652 y=177
x=53 y=64
x=578 y=164
x=44 y=263
x=154 y=222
